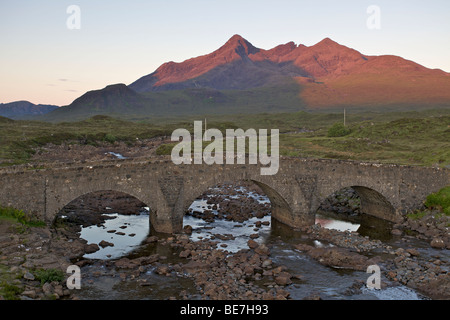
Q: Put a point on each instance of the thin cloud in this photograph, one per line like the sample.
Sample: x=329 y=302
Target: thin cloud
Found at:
x=67 y=80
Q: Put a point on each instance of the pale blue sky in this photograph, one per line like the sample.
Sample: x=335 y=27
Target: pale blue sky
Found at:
x=119 y=41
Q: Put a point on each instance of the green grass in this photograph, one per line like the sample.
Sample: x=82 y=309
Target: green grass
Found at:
x=413 y=141
x=15 y=215
x=415 y=138
x=21 y=139
x=48 y=275
x=8 y=290
x=440 y=200
x=416 y=215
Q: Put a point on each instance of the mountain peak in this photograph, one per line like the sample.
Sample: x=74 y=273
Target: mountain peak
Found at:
x=236 y=37
x=116 y=87
x=239 y=45
x=327 y=42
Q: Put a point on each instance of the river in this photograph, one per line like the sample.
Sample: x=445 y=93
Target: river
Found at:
x=102 y=282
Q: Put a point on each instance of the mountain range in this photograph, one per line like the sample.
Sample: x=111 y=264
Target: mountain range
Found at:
x=24 y=109
x=328 y=74
x=241 y=78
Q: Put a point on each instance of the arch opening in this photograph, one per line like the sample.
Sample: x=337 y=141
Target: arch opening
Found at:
x=230 y=214
x=111 y=223
x=359 y=209
x=281 y=210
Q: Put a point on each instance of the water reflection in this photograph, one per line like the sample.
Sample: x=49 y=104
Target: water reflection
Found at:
x=331 y=223
x=366 y=225
x=125 y=232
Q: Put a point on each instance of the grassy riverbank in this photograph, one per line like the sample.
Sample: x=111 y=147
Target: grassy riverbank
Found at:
x=416 y=138
x=438 y=201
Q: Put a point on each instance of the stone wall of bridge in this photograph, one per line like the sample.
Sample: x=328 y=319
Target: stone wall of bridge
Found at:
x=296 y=191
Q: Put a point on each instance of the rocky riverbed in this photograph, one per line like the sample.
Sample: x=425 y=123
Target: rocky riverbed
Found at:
x=183 y=267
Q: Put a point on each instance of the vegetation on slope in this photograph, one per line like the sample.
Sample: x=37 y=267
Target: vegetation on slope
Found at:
x=416 y=138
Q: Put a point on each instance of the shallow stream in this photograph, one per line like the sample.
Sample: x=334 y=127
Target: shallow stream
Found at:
x=316 y=279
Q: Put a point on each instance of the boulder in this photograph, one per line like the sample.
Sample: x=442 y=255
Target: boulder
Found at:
x=283 y=279
x=262 y=249
x=91 y=248
x=252 y=244
x=336 y=257
x=105 y=244
x=125 y=263
x=437 y=243
x=151 y=239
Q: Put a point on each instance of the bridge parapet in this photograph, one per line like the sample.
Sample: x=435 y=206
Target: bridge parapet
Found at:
x=296 y=191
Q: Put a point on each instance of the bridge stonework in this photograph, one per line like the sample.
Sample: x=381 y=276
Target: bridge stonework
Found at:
x=296 y=191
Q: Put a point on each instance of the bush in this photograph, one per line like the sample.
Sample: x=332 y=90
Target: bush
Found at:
x=20 y=216
x=440 y=200
x=165 y=149
x=338 y=130
x=12 y=213
x=110 y=138
x=49 y=275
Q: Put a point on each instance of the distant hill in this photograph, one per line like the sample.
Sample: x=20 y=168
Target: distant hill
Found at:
x=120 y=101
x=240 y=78
x=110 y=100
x=5 y=120
x=24 y=109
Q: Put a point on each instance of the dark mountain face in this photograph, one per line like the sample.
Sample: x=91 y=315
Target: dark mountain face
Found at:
x=237 y=75
x=21 y=109
x=110 y=96
x=117 y=98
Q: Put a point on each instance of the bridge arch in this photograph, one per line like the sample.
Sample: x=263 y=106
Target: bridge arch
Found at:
x=280 y=209
x=58 y=201
x=373 y=202
x=122 y=202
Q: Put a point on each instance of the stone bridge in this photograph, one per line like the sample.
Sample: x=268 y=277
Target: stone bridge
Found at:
x=296 y=191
